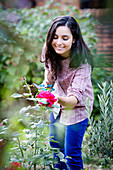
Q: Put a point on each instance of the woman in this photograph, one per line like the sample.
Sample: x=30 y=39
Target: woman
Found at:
x=68 y=66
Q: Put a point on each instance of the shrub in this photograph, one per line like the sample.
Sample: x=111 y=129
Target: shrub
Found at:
x=100 y=131
x=24 y=138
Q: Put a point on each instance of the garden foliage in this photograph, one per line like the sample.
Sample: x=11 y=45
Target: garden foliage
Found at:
x=24 y=138
x=100 y=131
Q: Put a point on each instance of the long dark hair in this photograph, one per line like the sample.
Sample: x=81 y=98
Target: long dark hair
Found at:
x=79 y=54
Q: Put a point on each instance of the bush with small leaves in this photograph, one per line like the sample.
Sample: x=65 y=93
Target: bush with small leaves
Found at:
x=100 y=131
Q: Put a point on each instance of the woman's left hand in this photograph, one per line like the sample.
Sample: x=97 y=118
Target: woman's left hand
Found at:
x=68 y=102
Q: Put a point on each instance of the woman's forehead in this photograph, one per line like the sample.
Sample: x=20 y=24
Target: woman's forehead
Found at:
x=63 y=30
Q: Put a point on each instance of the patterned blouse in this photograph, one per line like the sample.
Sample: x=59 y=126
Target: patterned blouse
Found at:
x=74 y=82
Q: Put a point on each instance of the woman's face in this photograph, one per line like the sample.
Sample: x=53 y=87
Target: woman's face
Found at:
x=62 y=41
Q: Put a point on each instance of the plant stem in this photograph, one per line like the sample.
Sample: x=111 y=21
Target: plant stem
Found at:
x=29 y=89
x=35 y=147
x=34 y=166
x=20 y=147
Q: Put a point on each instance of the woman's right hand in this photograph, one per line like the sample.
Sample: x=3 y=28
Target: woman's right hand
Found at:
x=45 y=83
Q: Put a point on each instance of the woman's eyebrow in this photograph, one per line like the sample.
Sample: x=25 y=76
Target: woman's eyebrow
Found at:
x=63 y=35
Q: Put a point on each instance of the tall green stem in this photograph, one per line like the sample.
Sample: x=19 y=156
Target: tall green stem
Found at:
x=20 y=147
x=29 y=89
x=35 y=146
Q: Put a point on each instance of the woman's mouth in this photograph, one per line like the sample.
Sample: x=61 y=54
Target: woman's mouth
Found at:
x=59 y=48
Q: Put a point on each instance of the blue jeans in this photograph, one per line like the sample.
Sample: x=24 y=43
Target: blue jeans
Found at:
x=69 y=141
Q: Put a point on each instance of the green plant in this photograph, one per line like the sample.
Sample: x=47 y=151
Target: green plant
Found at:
x=100 y=140
x=25 y=134
x=99 y=75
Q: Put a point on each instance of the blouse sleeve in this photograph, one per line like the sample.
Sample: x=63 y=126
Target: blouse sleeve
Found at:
x=80 y=83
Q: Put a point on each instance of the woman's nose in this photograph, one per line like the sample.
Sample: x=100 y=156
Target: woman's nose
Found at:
x=59 y=41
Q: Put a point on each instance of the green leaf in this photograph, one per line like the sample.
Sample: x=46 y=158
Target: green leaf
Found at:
x=60 y=155
x=33 y=99
x=44 y=101
x=24 y=109
x=55 y=105
x=16 y=95
x=27 y=94
x=15 y=134
x=35 y=107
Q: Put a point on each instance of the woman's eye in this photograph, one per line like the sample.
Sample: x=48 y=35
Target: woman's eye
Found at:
x=55 y=37
x=65 y=39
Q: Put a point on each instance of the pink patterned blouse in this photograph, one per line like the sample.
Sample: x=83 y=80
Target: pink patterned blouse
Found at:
x=76 y=82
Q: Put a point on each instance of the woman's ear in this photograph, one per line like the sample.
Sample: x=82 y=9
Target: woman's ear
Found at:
x=73 y=40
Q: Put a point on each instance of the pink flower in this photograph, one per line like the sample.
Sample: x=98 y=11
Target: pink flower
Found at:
x=24 y=78
x=14 y=166
x=47 y=95
x=0 y=124
x=46 y=143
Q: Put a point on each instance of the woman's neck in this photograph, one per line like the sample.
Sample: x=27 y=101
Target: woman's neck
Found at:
x=63 y=58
